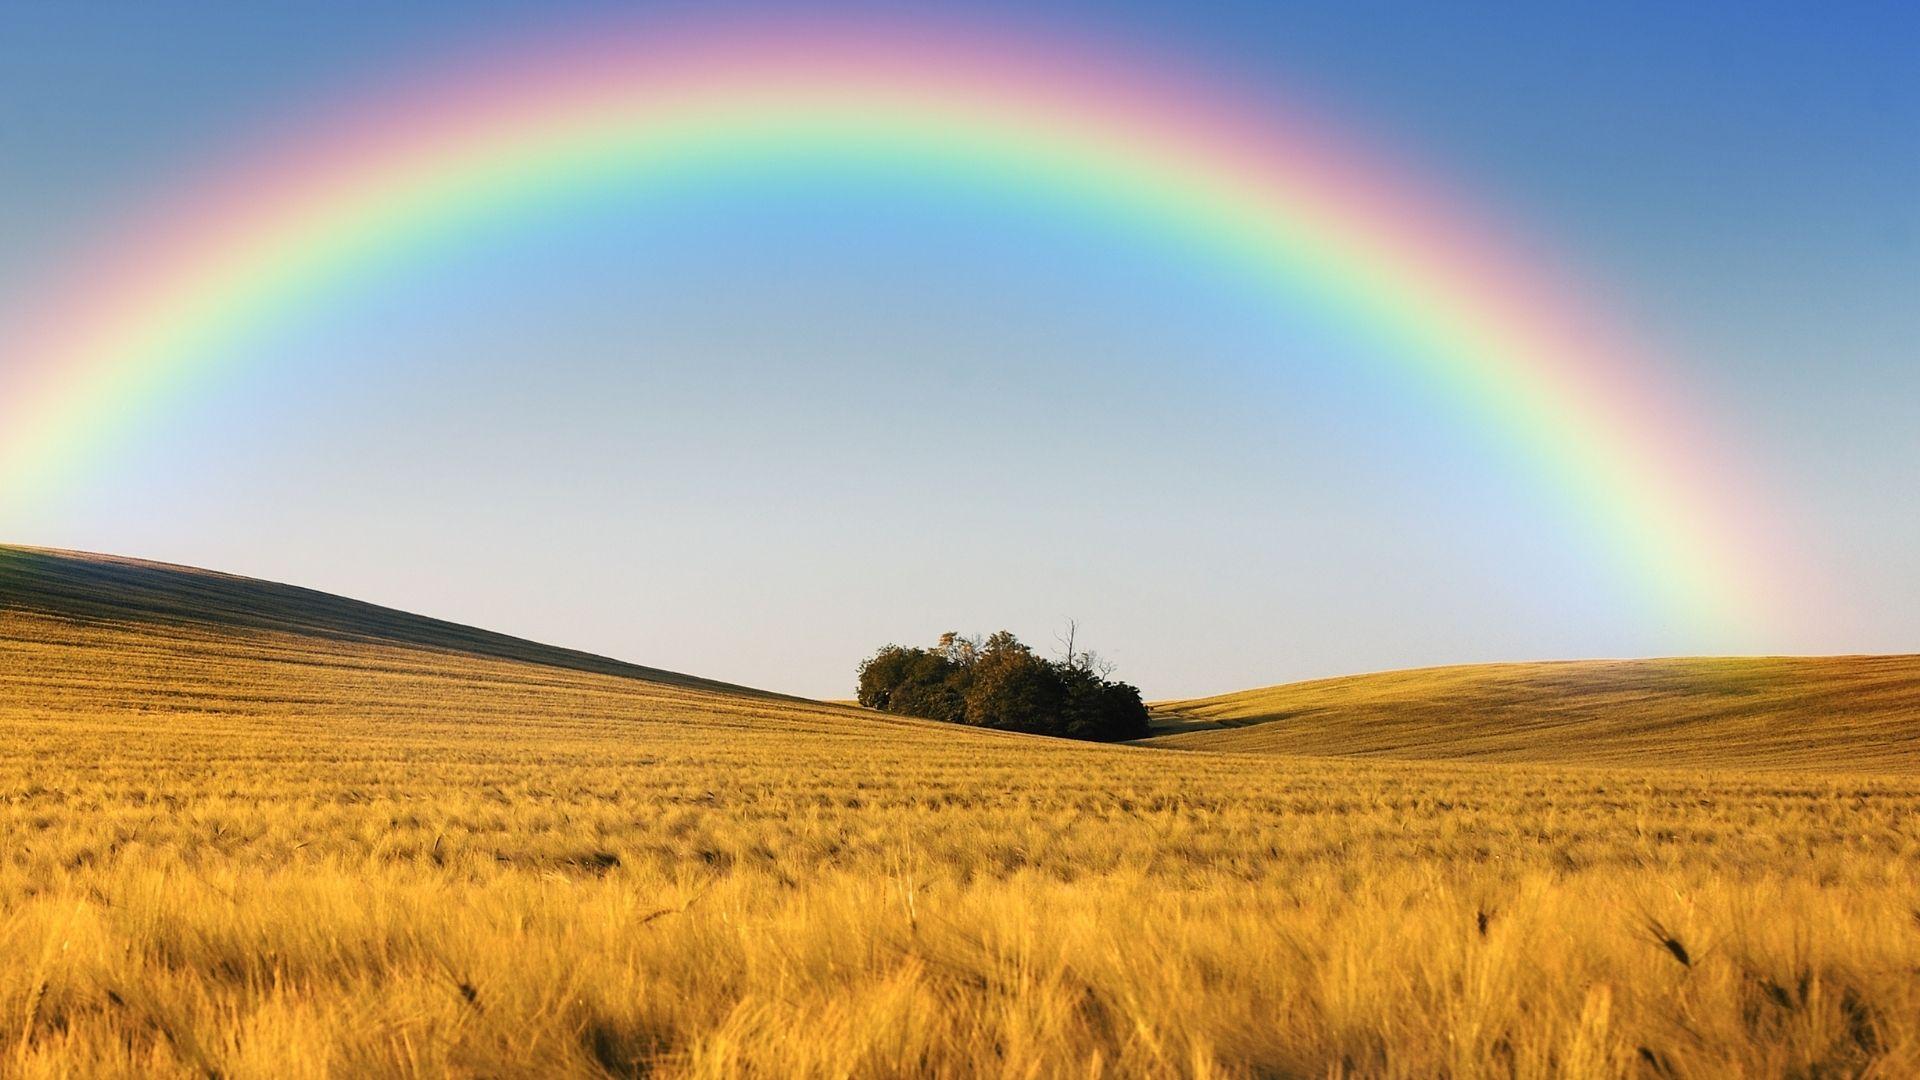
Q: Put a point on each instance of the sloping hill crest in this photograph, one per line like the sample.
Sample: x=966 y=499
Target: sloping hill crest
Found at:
x=1839 y=712
x=103 y=639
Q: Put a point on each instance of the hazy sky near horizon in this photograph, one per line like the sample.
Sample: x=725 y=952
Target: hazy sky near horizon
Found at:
x=752 y=431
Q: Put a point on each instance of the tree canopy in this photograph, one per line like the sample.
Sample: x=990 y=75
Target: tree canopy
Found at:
x=998 y=682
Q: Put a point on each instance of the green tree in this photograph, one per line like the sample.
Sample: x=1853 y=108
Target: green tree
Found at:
x=1011 y=689
x=998 y=682
x=912 y=682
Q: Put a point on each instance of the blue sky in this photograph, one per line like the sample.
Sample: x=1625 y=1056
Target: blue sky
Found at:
x=754 y=431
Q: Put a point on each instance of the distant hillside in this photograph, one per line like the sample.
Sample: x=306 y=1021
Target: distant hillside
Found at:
x=101 y=637
x=1844 y=712
x=120 y=645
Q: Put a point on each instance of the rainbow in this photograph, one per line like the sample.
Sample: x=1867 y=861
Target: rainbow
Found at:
x=1485 y=328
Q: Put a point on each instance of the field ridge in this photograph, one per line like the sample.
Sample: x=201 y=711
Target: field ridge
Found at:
x=104 y=590
x=1837 y=713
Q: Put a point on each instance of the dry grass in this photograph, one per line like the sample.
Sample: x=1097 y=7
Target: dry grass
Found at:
x=271 y=840
x=1831 y=713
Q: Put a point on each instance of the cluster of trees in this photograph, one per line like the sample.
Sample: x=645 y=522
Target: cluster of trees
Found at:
x=997 y=682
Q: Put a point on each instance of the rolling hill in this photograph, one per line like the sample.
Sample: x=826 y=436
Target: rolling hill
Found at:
x=1841 y=713
x=103 y=637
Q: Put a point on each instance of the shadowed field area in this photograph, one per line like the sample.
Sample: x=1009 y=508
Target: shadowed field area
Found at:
x=1840 y=713
x=248 y=830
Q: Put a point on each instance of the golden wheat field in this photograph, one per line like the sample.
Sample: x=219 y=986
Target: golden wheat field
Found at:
x=255 y=831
